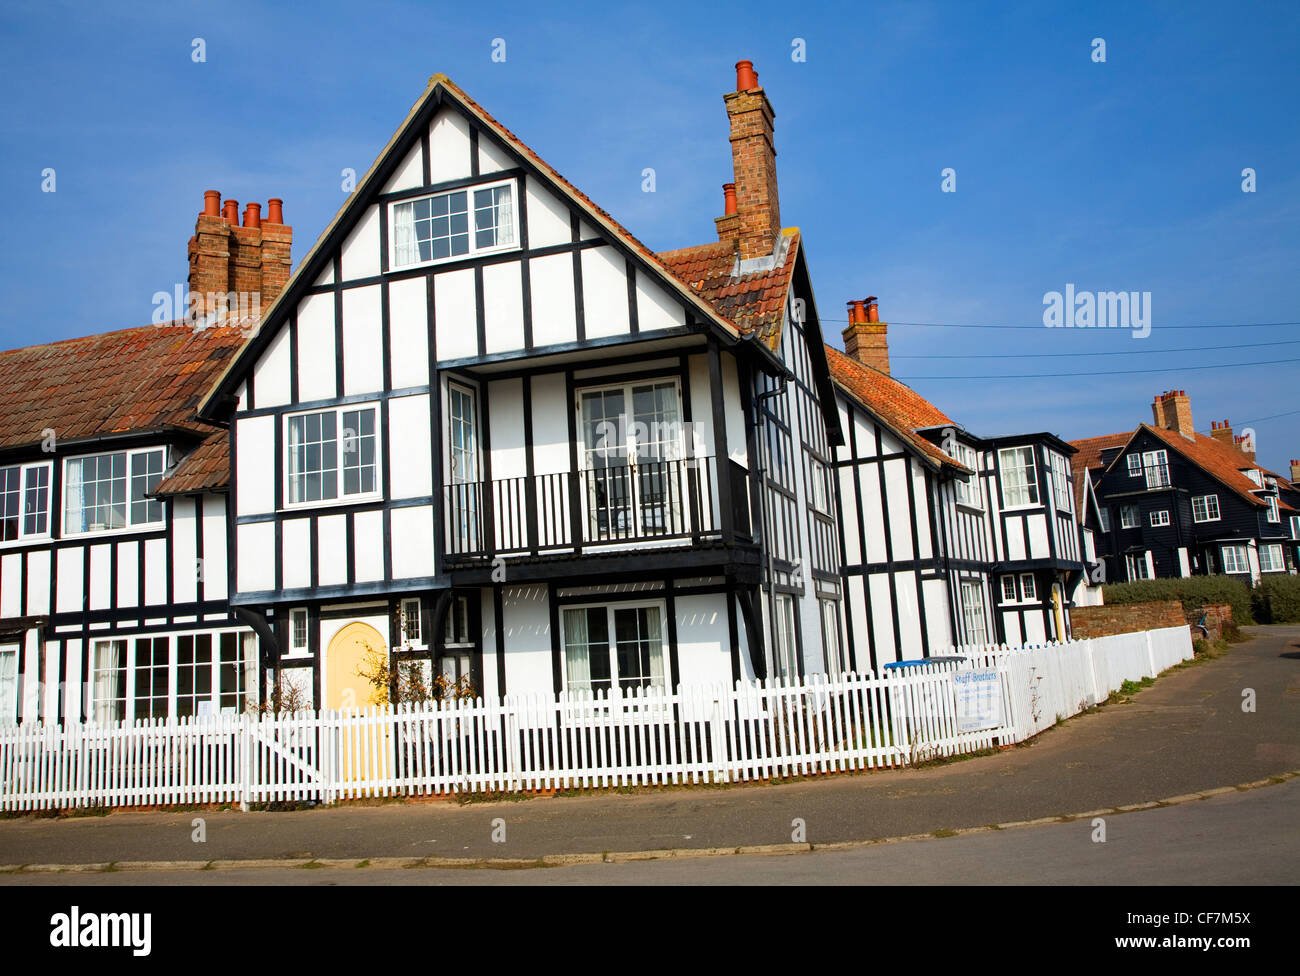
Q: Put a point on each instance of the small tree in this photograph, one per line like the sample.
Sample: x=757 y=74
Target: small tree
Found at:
x=404 y=682
x=284 y=698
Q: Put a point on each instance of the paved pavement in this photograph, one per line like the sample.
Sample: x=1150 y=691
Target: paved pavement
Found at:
x=1248 y=838
x=1185 y=734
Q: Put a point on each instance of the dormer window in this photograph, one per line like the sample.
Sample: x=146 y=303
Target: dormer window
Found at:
x=1253 y=475
x=455 y=224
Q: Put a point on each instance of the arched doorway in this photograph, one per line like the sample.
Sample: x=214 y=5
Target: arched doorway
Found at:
x=364 y=742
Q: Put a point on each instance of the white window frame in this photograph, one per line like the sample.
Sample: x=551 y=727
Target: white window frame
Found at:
x=1131 y=560
x=474 y=250
x=1155 y=466
x=295 y=615
x=968 y=488
x=1254 y=475
x=1124 y=521
x=1028 y=588
x=412 y=632
x=1103 y=518
x=612 y=647
x=1276 y=564
x=8 y=683
x=972 y=612
x=1206 y=501
x=245 y=645
x=818 y=485
x=342 y=498
x=1295 y=526
x=1061 y=482
x=835 y=662
x=24 y=472
x=1030 y=486
x=1011 y=597
x=1158 y=517
x=1240 y=558
x=66 y=523
x=1273 y=514
x=1135 y=464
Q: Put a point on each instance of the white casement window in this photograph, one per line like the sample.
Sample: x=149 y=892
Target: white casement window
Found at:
x=835 y=662
x=1270 y=558
x=1156 y=464
x=785 y=644
x=333 y=455
x=1135 y=465
x=1089 y=546
x=410 y=617
x=1103 y=518
x=1160 y=517
x=968 y=488
x=1235 y=559
x=1254 y=475
x=1140 y=566
x=104 y=492
x=1129 y=516
x=25 y=501
x=8 y=683
x=1273 y=514
x=1008 y=589
x=1061 y=482
x=1295 y=526
x=1019 y=476
x=1205 y=508
x=818 y=486
x=298 y=641
x=456 y=224
x=614 y=646
x=972 y=612
x=1028 y=591
x=215 y=673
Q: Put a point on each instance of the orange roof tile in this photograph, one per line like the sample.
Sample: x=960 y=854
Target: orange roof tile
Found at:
x=206 y=468
x=1089 y=456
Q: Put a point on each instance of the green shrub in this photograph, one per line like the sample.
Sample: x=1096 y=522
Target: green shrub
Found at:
x=1193 y=592
x=1277 y=600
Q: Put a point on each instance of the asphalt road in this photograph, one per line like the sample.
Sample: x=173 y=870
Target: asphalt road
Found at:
x=1185 y=734
x=1246 y=838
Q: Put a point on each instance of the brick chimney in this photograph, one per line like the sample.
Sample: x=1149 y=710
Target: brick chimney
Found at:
x=1244 y=445
x=251 y=260
x=1172 y=410
x=1295 y=470
x=753 y=158
x=1222 y=432
x=866 y=338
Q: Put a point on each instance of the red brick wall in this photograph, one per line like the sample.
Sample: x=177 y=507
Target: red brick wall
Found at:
x=1125 y=618
x=1216 y=614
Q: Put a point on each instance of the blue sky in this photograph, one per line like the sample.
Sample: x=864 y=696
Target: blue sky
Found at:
x=1123 y=175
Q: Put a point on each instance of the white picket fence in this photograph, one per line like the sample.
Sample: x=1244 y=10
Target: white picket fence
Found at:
x=699 y=734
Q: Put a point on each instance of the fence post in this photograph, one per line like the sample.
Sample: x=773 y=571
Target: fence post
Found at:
x=245 y=746
x=1151 y=657
x=718 y=735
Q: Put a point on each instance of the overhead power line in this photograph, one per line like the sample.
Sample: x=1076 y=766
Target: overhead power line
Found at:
x=1040 y=327
x=1106 y=372
x=1066 y=355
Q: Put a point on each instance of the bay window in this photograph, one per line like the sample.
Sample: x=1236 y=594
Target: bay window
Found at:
x=332 y=455
x=110 y=491
x=458 y=223
x=1019 y=476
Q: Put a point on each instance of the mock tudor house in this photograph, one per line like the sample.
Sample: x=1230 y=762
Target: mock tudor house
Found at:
x=947 y=537
x=1165 y=501
x=483 y=428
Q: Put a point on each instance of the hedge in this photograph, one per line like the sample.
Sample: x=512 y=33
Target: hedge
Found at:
x=1277 y=600
x=1193 y=592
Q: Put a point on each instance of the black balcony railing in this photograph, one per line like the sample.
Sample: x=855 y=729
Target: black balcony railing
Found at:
x=606 y=506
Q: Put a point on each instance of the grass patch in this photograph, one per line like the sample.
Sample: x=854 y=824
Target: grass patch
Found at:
x=362 y=864
x=944 y=832
x=311 y=865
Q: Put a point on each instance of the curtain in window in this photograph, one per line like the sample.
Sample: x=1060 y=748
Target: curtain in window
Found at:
x=577 y=652
x=75 y=519
x=404 y=249
x=654 y=637
x=108 y=668
x=8 y=685
x=505 y=216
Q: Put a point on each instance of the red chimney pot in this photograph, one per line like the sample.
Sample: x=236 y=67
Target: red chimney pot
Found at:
x=728 y=199
x=872 y=314
x=275 y=211
x=230 y=212
x=211 y=203
x=253 y=215
x=746 y=76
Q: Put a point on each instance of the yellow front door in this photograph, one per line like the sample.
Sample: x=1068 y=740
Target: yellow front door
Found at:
x=363 y=739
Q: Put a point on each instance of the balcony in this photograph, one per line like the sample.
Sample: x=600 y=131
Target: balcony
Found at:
x=607 y=508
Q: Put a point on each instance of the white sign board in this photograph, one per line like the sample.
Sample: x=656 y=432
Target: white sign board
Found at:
x=979 y=699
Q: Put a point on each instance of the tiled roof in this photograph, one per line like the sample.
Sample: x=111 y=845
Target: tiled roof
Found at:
x=1089 y=456
x=1219 y=460
x=206 y=468
x=900 y=407
x=140 y=379
x=753 y=302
